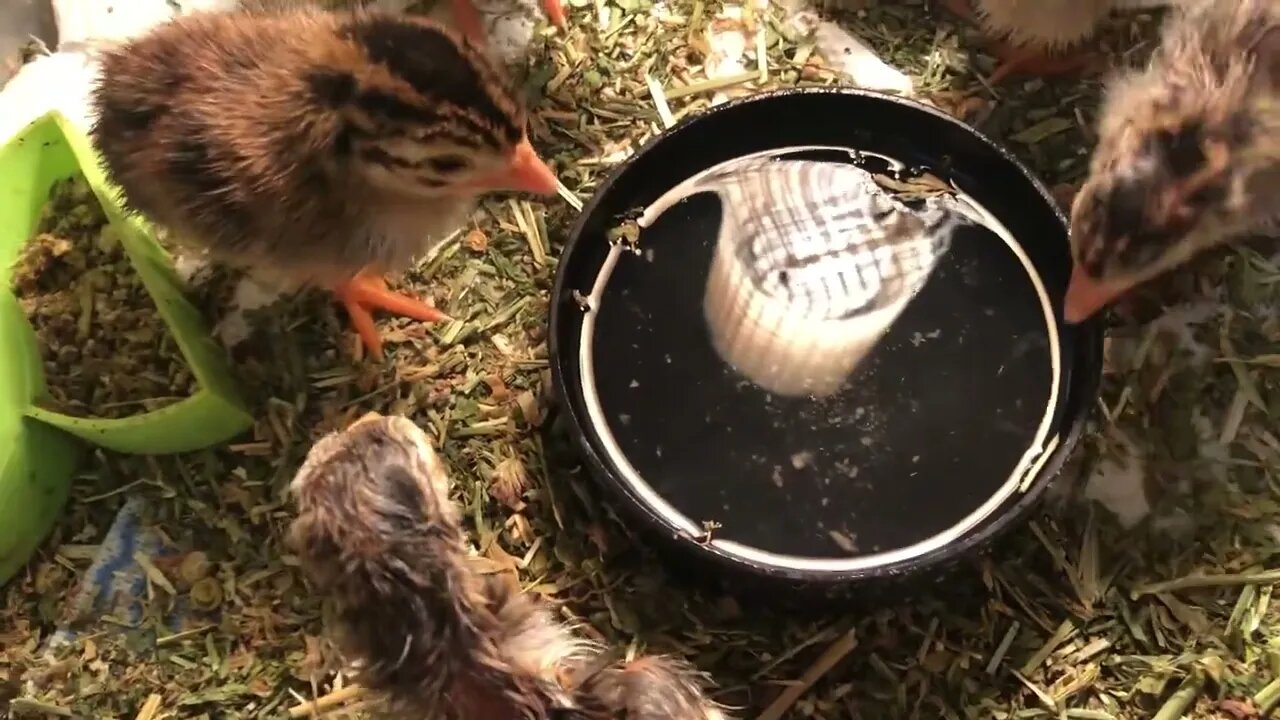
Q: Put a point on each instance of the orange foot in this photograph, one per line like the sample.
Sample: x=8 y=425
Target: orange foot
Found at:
x=471 y=24
x=1016 y=59
x=555 y=13
x=366 y=292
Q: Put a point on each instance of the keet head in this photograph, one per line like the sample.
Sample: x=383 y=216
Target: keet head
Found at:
x=421 y=112
x=363 y=489
x=1183 y=150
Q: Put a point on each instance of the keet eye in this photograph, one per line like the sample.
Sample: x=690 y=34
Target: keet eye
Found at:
x=445 y=164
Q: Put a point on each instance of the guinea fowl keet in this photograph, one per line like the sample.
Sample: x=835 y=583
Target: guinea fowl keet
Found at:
x=1036 y=36
x=312 y=147
x=378 y=535
x=1188 y=153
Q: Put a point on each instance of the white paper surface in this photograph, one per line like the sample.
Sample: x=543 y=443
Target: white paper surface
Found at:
x=61 y=81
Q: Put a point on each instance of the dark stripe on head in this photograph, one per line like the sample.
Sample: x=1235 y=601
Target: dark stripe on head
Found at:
x=406 y=507
x=330 y=88
x=380 y=104
x=480 y=129
x=431 y=62
x=462 y=140
x=382 y=157
x=386 y=105
x=448 y=164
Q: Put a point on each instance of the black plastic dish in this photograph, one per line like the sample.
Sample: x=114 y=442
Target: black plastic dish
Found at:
x=949 y=387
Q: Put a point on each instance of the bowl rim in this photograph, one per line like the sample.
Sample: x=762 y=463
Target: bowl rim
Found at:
x=1082 y=379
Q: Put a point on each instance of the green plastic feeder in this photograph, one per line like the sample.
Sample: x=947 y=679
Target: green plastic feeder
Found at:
x=41 y=450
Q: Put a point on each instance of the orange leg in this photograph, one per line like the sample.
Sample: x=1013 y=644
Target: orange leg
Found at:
x=1015 y=59
x=1021 y=59
x=469 y=22
x=471 y=25
x=555 y=12
x=367 y=292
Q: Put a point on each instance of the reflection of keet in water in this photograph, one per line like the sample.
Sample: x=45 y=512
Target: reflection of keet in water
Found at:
x=814 y=261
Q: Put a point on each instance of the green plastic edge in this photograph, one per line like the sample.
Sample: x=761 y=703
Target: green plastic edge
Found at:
x=36 y=461
x=215 y=413
x=38 y=458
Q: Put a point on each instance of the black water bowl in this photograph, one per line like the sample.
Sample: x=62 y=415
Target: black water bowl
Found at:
x=944 y=436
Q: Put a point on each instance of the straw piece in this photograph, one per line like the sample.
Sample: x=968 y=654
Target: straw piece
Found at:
x=150 y=708
x=825 y=662
x=660 y=101
x=326 y=702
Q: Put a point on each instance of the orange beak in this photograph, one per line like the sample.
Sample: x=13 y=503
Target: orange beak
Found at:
x=1086 y=296
x=526 y=172
x=555 y=13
